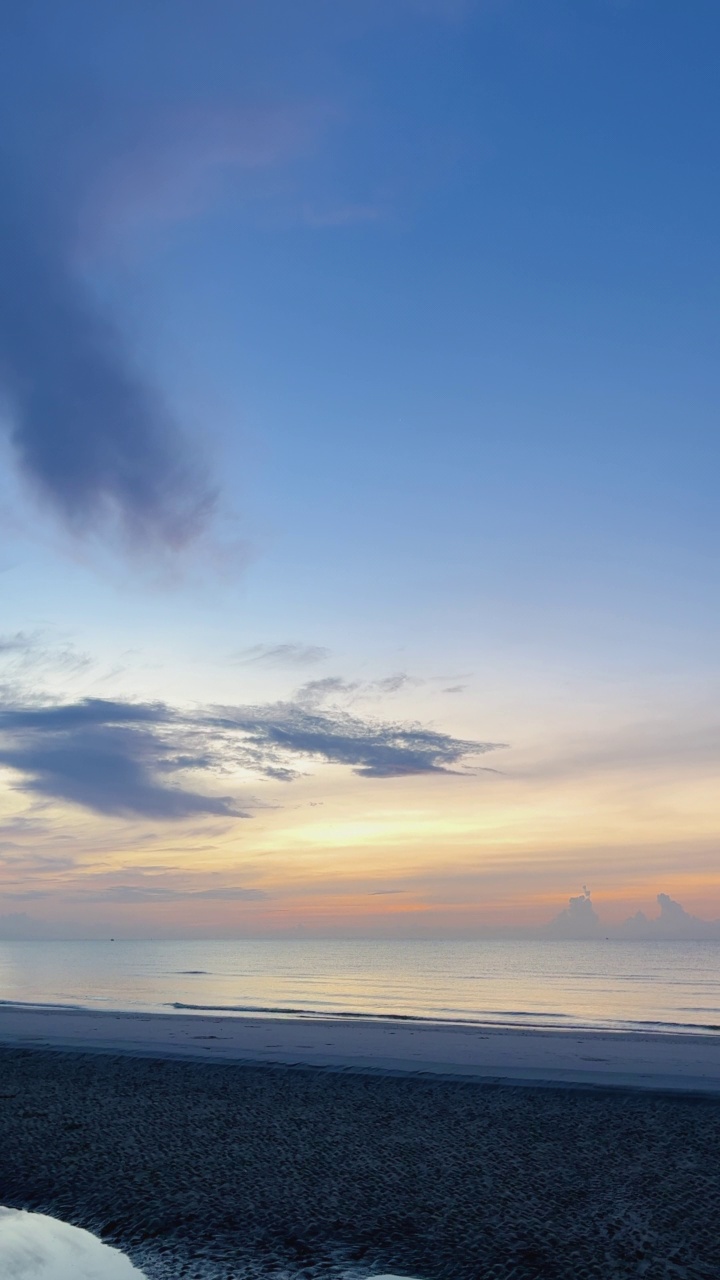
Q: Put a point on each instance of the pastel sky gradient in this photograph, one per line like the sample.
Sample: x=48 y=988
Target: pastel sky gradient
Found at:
x=359 y=464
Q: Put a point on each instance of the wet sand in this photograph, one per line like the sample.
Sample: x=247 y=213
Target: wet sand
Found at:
x=641 y=1059
x=226 y=1170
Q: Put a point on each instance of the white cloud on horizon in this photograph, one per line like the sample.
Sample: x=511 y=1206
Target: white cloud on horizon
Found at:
x=673 y=924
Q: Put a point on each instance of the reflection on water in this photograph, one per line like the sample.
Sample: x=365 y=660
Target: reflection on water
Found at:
x=35 y=1247
x=675 y=985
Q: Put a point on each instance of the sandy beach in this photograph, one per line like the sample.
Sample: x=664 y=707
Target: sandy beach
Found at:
x=350 y=1157
x=491 y=1054
x=217 y=1170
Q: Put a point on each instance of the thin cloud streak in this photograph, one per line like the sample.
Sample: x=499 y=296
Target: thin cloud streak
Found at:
x=20 y=642
x=182 y=161
x=634 y=747
x=129 y=894
x=288 y=654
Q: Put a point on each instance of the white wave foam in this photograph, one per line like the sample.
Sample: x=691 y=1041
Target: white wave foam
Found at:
x=36 y=1247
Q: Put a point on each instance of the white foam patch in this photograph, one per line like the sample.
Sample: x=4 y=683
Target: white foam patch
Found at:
x=35 y=1247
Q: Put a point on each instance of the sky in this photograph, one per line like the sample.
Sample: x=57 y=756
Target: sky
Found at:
x=358 y=465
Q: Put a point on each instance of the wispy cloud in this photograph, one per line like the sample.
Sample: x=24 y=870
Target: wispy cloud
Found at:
x=280 y=732
x=116 y=757
x=130 y=893
x=646 y=745
x=315 y=693
x=394 y=683
x=346 y=215
x=20 y=642
x=449 y=9
x=182 y=160
x=282 y=655
x=39 y=651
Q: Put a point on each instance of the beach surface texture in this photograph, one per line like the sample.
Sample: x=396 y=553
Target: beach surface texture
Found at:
x=687 y=1062
x=377 y=1150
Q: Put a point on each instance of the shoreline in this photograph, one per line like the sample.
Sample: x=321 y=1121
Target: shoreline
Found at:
x=644 y=1060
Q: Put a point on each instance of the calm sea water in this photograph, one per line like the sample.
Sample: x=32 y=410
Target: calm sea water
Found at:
x=668 y=986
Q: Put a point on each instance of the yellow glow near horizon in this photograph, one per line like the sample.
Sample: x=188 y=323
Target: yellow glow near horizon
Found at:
x=450 y=853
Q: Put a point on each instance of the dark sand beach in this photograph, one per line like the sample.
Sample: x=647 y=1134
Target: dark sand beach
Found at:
x=230 y=1170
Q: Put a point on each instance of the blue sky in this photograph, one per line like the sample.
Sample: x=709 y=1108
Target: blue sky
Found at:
x=385 y=330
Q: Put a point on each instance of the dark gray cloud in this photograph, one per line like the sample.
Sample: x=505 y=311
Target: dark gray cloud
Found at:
x=89 y=157
x=282 y=655
x=110 y=771
x=96 y=145
x=106 y=756
x=125 y=758
x=89 y=712
x=372 y=748
x=89 y=432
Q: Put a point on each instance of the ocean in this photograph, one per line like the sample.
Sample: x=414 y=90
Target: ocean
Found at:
x=663 y=986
